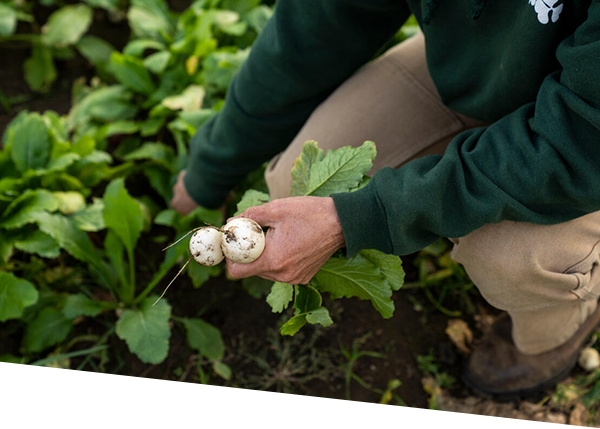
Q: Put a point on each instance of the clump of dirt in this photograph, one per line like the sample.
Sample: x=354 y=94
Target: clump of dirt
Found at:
x=576 y=415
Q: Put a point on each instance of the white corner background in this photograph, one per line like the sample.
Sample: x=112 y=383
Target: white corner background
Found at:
x=38 y=397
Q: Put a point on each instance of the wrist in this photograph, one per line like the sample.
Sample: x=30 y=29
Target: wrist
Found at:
x=202 y=191
x=335 y=224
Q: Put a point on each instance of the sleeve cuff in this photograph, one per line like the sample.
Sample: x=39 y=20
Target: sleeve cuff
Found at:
x=363 y=220
x=202 y=192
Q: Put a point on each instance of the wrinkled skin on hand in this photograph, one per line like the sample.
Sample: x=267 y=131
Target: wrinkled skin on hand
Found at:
x=181 y=201
x=304 y=232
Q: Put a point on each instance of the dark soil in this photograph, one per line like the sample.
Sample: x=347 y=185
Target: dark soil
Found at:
x=248 y=328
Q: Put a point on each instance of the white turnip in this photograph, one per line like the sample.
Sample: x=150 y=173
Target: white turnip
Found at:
x=205 y=246
x=243 y=240
x=589 y=359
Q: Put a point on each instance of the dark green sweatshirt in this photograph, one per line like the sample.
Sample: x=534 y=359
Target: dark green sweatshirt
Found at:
x=530 y=67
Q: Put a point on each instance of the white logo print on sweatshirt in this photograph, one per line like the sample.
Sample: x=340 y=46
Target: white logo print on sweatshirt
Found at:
x=547 y=10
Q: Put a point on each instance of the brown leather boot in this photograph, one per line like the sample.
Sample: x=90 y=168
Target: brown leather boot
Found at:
x=497 y=369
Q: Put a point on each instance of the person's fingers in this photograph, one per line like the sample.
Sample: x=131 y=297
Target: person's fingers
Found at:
x=263 y=265
x=240 y=271
x=265 y=215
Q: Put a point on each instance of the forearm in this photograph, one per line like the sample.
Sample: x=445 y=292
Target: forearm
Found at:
x=544 y=170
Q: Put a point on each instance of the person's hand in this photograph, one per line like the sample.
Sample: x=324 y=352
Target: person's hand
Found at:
x=303 y=234
x=181 y=201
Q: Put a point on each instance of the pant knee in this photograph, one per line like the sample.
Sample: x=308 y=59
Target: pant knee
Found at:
x=513 y=270
x=278 y=179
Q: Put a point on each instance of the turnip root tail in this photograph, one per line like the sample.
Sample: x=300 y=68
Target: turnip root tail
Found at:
x=177 y=275
x=193 y=230
x=173 y=244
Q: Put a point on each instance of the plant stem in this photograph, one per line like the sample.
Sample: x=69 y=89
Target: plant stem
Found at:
x=156 y=280
x=131 y=294
x=5 y=102
x=19 y=37
x=99 y=343
x=439 y=306
x=69 y=355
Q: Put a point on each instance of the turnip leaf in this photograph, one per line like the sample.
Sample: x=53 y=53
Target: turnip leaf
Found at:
x=110 y=103
x=91 y=217
x=48 y=328
x=96 y=50
x=292 y=326
x=39 y=69
x=146 y=330
x=118 y=128
x=307 y=299
x=222 y=370
x=67 y=25
x=188 y=101
x=340 y=170
x=137 y=47
x=311 y=154
x=70 y=238
x=158 y=62
x=80 y=305
x=122 y=214
x=280 y=297
x=39 y=243
x=150 y=19
x=158 y=152
x=131 y=73
x=15 y=295
x=251 y=198
x=390 y=266
x=23 y=210
x=69 y=202
x=30 y=143
x=205 y=338
x=319 y=316
x=356 y=277
x=257 y=18
x=160 y=180
x=8 y=20
x=220 y=67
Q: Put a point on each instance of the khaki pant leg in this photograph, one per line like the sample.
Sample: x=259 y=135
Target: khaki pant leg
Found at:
x=547 y=277
x=392 y=101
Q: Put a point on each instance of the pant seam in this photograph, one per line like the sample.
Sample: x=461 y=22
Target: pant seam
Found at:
x=583 y=259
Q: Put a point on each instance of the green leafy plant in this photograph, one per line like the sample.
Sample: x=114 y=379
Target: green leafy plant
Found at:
x=59 y=38
x=168 y=80
x=171 y=76
x=46 y=182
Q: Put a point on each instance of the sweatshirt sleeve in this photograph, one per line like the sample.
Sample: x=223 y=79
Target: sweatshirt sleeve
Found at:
x=539 y=164
x=305 y=51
